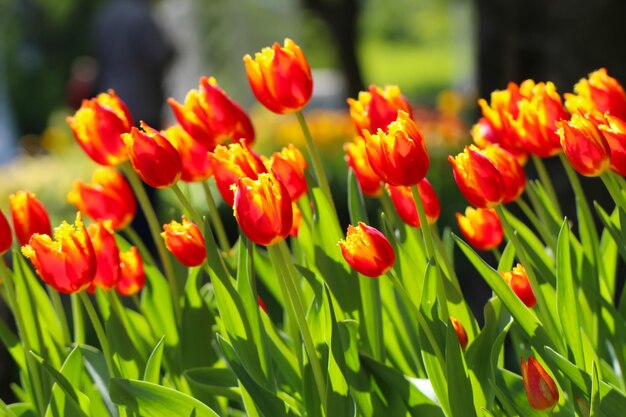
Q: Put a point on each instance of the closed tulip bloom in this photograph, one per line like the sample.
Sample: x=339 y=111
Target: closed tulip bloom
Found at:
x=403 y=201
x=132 y=277
x=297 y=220
x=598 y=94
x=185 y=242
x=584 y=145
x=193 y=154
x=399 y=157
x=540 y=388
x=107 y=197
x=280 y=77
x=97 y=126
x=377 y=108
x=288 y=165
x=367 y=250
x=107 y=256
x=481 y=228
x=512 y=172
x=356 y=157
x=517 y=279
x=460 y=332
x=211 y=117
x=67 y=263
x=154 y=159
x=234 y=162
x=614 y=131
x=6 y=238
x=478 y=178
x=263 y=209
x=29 y=216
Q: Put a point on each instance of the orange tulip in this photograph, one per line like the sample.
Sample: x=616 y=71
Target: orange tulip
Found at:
x=6 y=238
x=481 y=228
x=234 y=162
x=67 y=263
x=132 y=277
x=193 y=154
x=297 y=220
x=614 y=131
x=460 y=332
x=356 y=157
x=402 y=198
x=517 y=279
x=29 y=216
x=288 y=165
x=155 y=160
x=540 y=388
x=512 y=172
x=211 y=117
x=280 y=77
x=367 y=250
x=97 y=127
x=584 y=145
x=185 y=242
x=263 y=209
x=107 y=197
x=377 y=108
x=478 y=178
x=107 y=256
x=399 y=157
x=596 y=95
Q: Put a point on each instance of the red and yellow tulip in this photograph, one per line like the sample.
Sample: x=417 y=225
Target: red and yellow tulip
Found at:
x=481 y=228
x=367 y=250
x=193 y=154
x=584 y=145
x=460 y=332
x=596 y=95
x=377 y=108
x=289 y=165
x=356 y=157
x=478 y=178
x=540 y=388
x=6 y=237
x=132 y=277
x=185 y=241
x=614 y=131
x=29 y=216
x=402 y=198
x=517 y=279
x=107 y=256
x=512 y=172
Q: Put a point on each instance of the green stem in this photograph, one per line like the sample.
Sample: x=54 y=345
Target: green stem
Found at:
x=318 y=167
x=544 y=177
x=77 y=319
x=496 y=254
x=154 y=226
x=218 y=226
x=118 y=309
x=100 y=334
x=547 y=237
x=293 y=299
x=60 y=311
x=136 y=241
x=33 y=370
x=613 y=188
x=187 y=205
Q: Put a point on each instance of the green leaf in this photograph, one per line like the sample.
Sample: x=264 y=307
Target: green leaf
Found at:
x=60 y=403
x=96 y=366
x=595 y=393
x=13 y=345
x=152 y=372
x=463 y=400
x=150 y=400
x=157 y=304
x=215 y=382
x=22 y=410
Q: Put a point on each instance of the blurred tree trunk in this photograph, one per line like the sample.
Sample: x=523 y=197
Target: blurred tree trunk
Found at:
x=341 y=17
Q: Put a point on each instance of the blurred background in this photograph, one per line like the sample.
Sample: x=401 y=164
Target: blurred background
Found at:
x=443 y=54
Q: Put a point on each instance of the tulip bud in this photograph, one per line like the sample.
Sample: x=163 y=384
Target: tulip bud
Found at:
x=280 y=77
x=6 y=238
x=377 y=108
x=584 y=145
x=185 y=241
x=460 y=332
x=367 y=250
x=132 y=278
x=481 y=228
x=403 y=201
x=478 y=178
x=107 y=256
x=540 y=388
x=356 y=157
x=517 y=279
x=29 y=216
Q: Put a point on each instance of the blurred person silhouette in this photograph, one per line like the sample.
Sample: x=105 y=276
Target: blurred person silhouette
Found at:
x=132 y=55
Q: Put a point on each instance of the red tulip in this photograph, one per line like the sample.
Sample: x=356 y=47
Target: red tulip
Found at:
x=517 y=279
x=596 y=95
x=356 y=157
x=107 y=256
x=132 y=278
x=460 y=332
x=29 y=216
x=6 y=238
x=614 y=131
x=193 y=154
x=403 y=201
x=584 y=145
x=540 y=388
x=478 y=178
x=481 y=228
x=185 y=241
x=377 y=108
x=367 y=250
x=512 y=172
x=289 y=165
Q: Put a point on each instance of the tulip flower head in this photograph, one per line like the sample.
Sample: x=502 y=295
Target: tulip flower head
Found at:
x=584 y=145
x=399 y=156
x=297 y=220
x=132 y=277
x=185 y=241
x=29 y=216
x=234 y=162
x=481 y=228
x=155 y=160
x=107 y=197
x=540 y=388
x=596 y=95
x=280 y=77
x=263 y=209
x=210 y=117
x=67 y=263
x=289 y=165
x=193 y=154
x=513 y=174
x=97 y=127
x=356 y=157
x=6 y=238
x=367 y=250
x=614 y=131
x=377 y=108
x=478 y=178
x=517 y=279
x=107 y=256
x=460 y=332
x=402 y=198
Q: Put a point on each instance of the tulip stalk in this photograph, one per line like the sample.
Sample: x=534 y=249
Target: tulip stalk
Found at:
x=218 y=225
x=544 y=177
x=99 y=329
x=136 y=241
x=77 y=320
x=184 y=201
x=60 y=312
